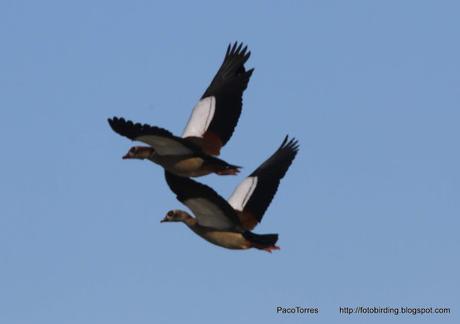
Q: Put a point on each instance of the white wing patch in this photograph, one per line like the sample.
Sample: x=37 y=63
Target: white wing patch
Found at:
x=242 y=193
x=209 y=214
x=164 y=145
x=201 y=117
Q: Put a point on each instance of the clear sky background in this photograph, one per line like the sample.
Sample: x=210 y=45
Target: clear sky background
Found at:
x=368 y=214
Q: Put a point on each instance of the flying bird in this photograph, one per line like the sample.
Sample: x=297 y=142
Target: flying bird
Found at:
x=228 y=223
x=209 y=127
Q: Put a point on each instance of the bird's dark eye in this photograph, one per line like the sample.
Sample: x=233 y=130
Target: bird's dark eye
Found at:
x=171 y=213
x=133 y=149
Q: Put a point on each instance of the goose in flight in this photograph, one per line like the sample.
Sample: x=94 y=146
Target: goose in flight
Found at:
x=228 y=223
x=209 y=128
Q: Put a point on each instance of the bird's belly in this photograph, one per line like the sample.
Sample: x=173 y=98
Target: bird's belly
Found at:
x=229 y=240
x=186 y=167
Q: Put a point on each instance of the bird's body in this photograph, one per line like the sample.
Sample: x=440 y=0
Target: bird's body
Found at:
x=229 y=223
x=192 y=164
x=209 y=128
x=184 y=166
x=229 y=239
x=226 y=239
x=233 y=239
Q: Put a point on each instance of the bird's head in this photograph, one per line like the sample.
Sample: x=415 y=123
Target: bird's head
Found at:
x=176 y=216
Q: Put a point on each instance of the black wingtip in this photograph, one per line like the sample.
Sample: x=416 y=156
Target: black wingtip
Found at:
x=291 y=144
x=280 y=161
x=114 y=121
x=238 y=49
x=132 y=130
x=228 y=50
x=121 y=126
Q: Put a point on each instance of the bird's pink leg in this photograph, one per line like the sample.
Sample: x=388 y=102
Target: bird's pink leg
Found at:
x=271 y=248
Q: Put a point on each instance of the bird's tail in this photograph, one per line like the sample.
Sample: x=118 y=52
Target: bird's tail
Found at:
x=264 y=242
x=221 y=167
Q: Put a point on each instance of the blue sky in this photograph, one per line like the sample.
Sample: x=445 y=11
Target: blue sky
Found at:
x=368 y=214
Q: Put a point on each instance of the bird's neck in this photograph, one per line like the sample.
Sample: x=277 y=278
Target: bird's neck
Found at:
x=189 y=221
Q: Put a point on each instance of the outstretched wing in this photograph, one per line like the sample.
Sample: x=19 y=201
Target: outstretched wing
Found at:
x=214 y=118
x=255 y=193
x=210 y=209
x=162 y=141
